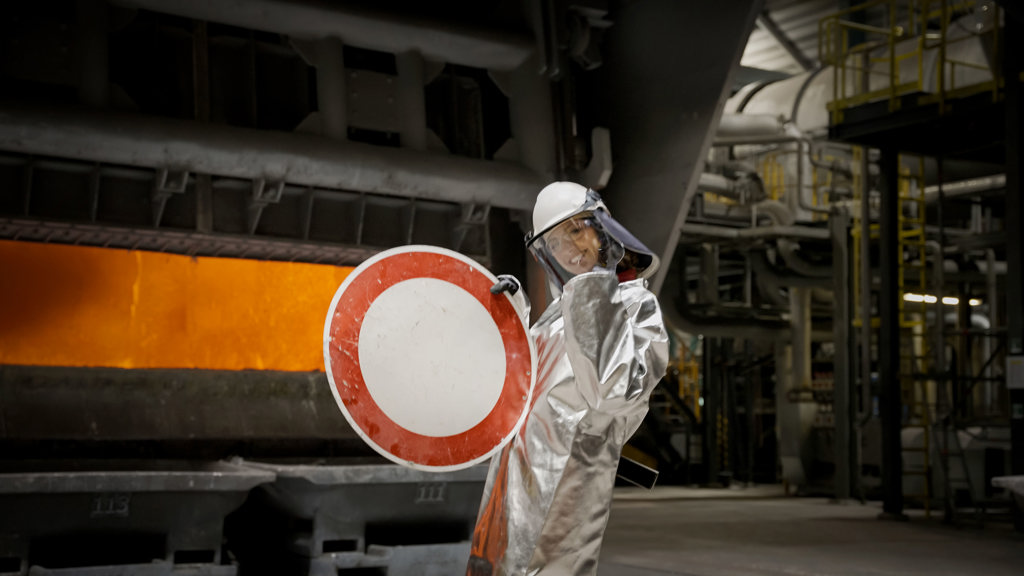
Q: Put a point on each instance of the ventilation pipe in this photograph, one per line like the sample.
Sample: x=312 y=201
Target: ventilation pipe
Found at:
x=965 y=187
x=298 y=159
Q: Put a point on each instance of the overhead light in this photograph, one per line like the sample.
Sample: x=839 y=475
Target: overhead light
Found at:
x=930 y=299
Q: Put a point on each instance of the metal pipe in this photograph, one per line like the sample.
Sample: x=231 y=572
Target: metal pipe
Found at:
x=769 y=284
x=717 y=327
x=834 y=166
x=298 y=159
x=796 y=419
x=779 y=278
x=965 y=187
x=788 y=249
x=800 y=322
x=788 y=133
x=743 y=189
x=678 y=313
x=752 y=140
x=739 y=213
x=718 y=184
x=747 y=126
x=444 y=41
x=756 y=232
x=800 y=177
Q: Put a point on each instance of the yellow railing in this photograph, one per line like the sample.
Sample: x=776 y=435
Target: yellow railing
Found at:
x=894 y=56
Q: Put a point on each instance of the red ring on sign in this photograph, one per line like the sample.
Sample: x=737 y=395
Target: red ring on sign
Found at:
x=437 y=451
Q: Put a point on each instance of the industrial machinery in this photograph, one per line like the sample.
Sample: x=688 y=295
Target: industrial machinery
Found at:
x=184 y=185
x=784 y=244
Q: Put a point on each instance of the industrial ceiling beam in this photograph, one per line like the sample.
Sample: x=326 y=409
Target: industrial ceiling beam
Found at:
x=767 y=23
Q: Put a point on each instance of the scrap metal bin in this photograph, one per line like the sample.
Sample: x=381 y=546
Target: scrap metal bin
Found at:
x=348 y=516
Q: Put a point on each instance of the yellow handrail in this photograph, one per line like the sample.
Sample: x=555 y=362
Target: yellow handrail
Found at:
x=883 y=25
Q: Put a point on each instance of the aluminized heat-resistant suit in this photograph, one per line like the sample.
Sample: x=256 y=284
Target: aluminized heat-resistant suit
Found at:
x=601 y=347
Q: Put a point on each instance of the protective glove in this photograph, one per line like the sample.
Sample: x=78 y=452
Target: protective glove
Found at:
x=506 y=283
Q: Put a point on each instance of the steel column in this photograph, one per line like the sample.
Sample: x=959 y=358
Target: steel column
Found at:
x=843 y=403
x=1013 y=62
x=661 y=121
x=889 y=336
x=331 y=92
x=865 y=288
x=412 y=102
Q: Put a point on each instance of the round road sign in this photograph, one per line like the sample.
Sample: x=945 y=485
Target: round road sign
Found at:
x=432 y=370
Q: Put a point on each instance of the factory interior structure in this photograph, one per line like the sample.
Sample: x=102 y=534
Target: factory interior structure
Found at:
x=833 y=189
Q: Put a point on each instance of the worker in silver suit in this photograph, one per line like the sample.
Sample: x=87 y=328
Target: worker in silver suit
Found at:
x=601 y=347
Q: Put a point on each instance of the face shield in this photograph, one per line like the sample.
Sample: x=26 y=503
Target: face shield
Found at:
x=577 y=245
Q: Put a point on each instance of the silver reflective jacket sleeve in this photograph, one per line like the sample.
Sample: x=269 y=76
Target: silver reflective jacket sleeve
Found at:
x=602 y=347
x=615 y=337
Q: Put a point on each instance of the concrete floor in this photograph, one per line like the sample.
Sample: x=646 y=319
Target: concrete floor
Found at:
x=759 y=531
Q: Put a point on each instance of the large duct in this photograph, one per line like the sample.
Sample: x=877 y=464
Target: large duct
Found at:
x=293 y=158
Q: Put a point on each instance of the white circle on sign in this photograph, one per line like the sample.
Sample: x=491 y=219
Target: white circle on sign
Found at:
x=437 y=335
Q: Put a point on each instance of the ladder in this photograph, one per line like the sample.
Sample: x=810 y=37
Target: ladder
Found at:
x=915 y=382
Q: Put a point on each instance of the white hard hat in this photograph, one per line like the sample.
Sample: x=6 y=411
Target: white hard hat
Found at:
x=558 y=202
x=561 y=200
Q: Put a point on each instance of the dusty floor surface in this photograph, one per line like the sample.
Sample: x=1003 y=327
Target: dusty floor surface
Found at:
x=759 y=531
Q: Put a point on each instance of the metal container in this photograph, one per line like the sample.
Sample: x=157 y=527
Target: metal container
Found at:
x=106 y=517
x=341 y=514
